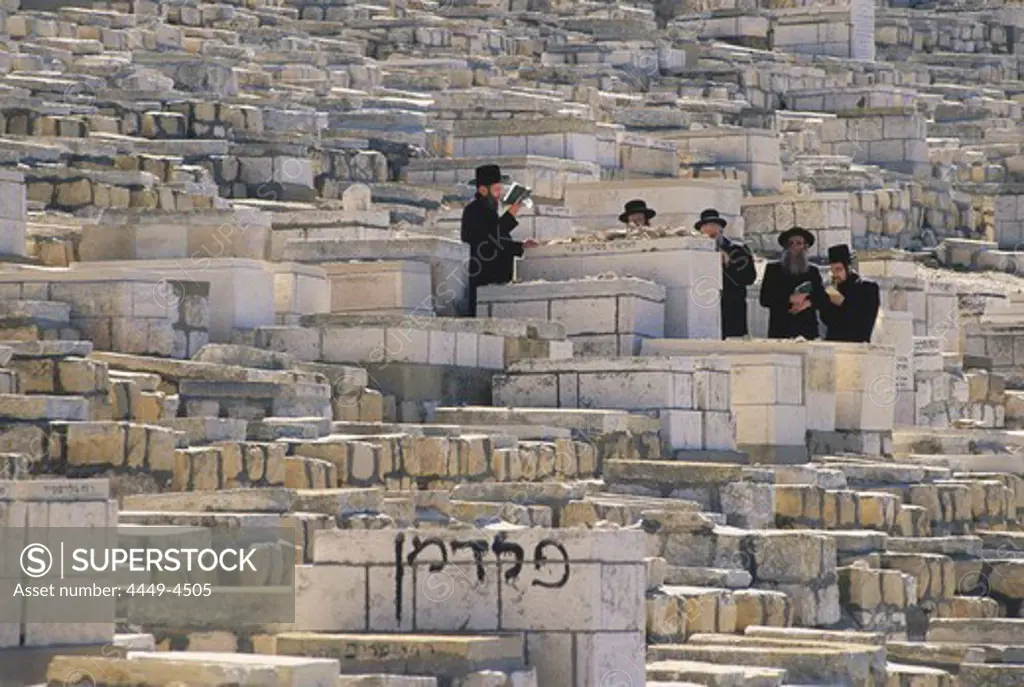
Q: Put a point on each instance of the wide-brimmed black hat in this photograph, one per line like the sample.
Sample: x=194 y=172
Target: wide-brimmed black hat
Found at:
x=840 y=254
x=489 y=174
x=710 y=216
x=785 y=236
x=635 y=206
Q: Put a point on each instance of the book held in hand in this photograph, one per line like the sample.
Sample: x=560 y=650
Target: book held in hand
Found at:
x=804 y=287
x=517 y=192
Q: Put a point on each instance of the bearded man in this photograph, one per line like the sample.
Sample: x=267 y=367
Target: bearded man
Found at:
x=792 y=289
x=492 y=250
x=853 y=303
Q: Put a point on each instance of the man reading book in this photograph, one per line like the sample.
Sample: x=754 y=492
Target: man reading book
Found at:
x=792 y=289
x=492 y=250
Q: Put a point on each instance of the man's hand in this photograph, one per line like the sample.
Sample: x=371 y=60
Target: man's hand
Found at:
x=795 y=308
x=798 y=302
x=836 y=298
x=515 y=207
x=725 y=257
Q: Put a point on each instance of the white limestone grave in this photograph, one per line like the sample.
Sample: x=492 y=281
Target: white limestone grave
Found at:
x=577 y=594
x=28 y=506
x=196 y=236
x=685 y=266
x=690 y=395
x=817 y=371
x=299 y=290
x=867 y=388
x=382 y=286
x=602 y=317
x=446 y=259
x=241 y=290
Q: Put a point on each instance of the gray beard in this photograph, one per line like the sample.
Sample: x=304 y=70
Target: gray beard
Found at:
x=795 y=263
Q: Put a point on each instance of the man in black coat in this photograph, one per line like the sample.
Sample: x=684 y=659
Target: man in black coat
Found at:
x=792 y=289
x=492 y=250
x=852 y=306
x=738 y=273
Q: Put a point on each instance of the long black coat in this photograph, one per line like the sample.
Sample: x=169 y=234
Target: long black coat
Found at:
x=776 y=288
x=736 y=277
x=492 y=250
x=854 y=320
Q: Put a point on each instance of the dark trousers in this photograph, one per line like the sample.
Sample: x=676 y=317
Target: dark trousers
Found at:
x=734 y=315
x=471 y=299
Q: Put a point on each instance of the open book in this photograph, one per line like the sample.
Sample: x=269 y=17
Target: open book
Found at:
x=515 y=193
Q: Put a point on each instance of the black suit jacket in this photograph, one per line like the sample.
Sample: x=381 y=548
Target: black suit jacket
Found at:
x=776 y=288
x=854 y=320
x=492 y=249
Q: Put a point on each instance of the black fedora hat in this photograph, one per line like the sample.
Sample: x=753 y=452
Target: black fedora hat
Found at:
x=785 y=236
x=635 y=206
x=710 y=216
x=489 y=174
x=840 y=254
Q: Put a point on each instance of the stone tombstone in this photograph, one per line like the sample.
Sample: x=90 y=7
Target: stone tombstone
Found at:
x=356 y=198
x=577 y=595
x=26 y=508
x=603 y=317
x=684 y=265
x=12 y=213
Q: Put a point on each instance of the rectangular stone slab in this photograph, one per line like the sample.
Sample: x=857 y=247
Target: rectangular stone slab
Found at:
x=201 y=669
x=268 y=500
x=433 y=654
x=581 y=419
x=300 y=289
x=55 y=490
x=391 y=286
x=976 y=631
x=636 y=384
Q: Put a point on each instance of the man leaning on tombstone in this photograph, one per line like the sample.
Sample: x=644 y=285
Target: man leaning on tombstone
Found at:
x=792 y=289
x=738 y=272
x=492 y=250
x=636 y=214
